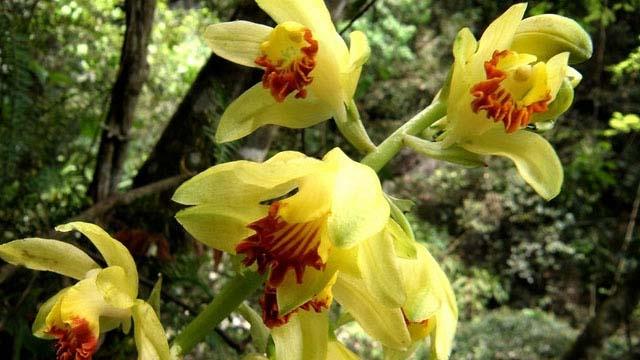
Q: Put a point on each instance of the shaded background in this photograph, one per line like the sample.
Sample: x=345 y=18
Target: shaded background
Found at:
x=107 y=105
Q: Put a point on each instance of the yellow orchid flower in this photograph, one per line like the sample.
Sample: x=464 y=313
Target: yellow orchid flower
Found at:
x=103 y=298
x=430 y=309
x=317 y=227
x=508 y=79
x=306 y=336
x=309 y=73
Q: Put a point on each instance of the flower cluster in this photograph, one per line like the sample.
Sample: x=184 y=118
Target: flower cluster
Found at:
x=321 y=231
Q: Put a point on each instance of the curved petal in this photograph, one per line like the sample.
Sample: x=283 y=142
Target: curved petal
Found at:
x=240 y=184
x=237 y=41
x=359 y=52
x=533 y=156
x=40 y=326
x=499 y=34
x=85 y=302
x=379 y=269
x=382 y=323
x=112 y=250
x=256 y=107
x=151 y=340
x=112 y=283
x=311 y=13
x=359 y=209
x=557 y=68
x=291 y=295
x=48 y=255
x=304 y=337
x=218 y=226
x=337 y=351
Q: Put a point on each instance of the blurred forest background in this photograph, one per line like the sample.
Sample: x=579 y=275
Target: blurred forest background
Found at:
x=96 y=130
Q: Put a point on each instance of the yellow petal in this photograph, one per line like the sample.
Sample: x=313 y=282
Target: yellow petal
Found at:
x=40 y=323
x=557 y=68
x=499 y=34
x=337 y=351
x=359 y=52
x=304 y=337
x=379 y=270
x=291 y=295
x=112 y=250
x=48 y=255
x=256 y=107
x=219 y=227
x=239 y=184
x=151 y=340
x=313 y=199
x=382 y=323
x=237 y=41
x=112 y=282
x=84 y=301
x=533 y=156
x=310 y=13
x=359 y=209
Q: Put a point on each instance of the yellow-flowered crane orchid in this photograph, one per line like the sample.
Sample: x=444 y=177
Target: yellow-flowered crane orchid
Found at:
x=102 y=299
x=430 y=309
x=511 y=77
x=309 y=73
x=318 y=228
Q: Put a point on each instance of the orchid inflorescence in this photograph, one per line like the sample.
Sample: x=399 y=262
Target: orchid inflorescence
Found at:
x=321 y=231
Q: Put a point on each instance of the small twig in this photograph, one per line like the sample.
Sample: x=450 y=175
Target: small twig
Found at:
x=359 y=14
x=628 y=236
x=128 y=197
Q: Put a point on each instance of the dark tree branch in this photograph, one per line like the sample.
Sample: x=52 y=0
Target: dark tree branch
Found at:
x=128 y=197
x=184 y=142
x=357 y=16
x=132 y=75
x=617 y=308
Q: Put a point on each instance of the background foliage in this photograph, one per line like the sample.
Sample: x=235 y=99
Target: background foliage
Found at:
x=527 y=273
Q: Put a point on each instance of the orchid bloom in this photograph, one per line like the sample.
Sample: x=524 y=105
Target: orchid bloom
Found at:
x=430 y=309
x=309 y=73
x=508 y=79
x=318 y=228
x=102 y=299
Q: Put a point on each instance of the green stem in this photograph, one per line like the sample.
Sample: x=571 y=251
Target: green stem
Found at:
x=353 y=130
x=390 y=147
x=231 y=296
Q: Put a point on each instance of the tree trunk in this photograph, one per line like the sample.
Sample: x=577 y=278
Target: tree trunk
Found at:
x=612 y=313
x=132 y=74
x=184 y=144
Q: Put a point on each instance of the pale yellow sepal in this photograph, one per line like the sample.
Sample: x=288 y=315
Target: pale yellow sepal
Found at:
x=113 y=251
x=237 y=41
x=219 y=227
x=151 y=340
x=337 y=351
x=358 y=202
x=535 y=159
x=48 y=255
x=39 y=326
x=304 y=337
x=256 y=107
x=382 y=323
x=379 y=270
x=311 y=13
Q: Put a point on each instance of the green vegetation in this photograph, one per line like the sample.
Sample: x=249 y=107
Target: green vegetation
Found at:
x=528 y=274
